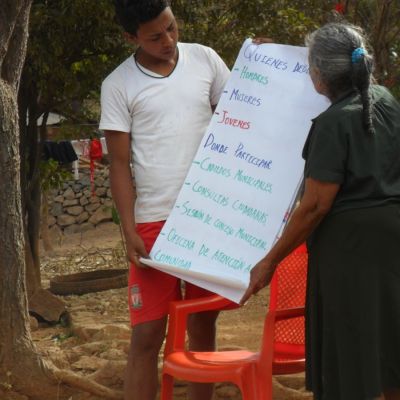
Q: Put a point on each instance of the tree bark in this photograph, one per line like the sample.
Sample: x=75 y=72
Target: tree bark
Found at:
x=17 y=355
x=29 y=154
x=44 y=224
x=20 y=366
x=22 y=370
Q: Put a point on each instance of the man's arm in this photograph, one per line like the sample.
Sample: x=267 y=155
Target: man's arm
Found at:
x=118 y=145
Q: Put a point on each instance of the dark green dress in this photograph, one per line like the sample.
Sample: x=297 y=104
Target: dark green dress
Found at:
x=353 y=293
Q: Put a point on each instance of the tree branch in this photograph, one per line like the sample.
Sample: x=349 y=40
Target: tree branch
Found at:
x=14 y=58
x=8 y=12
x=87 y=385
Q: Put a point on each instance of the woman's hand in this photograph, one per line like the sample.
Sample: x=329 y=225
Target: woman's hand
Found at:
x=260 y=276
x=135 y=249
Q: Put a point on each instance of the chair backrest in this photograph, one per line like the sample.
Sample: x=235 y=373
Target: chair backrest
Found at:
x=288 y=290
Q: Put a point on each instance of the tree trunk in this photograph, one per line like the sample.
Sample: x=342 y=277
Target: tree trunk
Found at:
x=44 y=225
x=29 y=154
x=21 y=368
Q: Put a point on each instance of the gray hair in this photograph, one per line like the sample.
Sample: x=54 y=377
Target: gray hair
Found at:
x=330 y=52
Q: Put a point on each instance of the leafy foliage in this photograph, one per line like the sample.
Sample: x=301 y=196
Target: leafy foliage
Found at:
x=73 y=45
x=380 y=21
x=52 y=175
x=224 y=24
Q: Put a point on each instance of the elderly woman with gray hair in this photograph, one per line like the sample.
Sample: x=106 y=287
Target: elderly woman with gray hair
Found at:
x=350 y=216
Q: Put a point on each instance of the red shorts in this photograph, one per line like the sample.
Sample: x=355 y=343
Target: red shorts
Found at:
x=151 y=290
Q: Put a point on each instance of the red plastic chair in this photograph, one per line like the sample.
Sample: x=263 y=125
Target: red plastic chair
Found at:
x=282 y=350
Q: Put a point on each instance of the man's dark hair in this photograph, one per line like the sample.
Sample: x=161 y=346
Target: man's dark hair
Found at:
x=132 y=13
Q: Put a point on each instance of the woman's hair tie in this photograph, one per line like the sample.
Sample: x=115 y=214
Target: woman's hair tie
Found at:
x=358 y=54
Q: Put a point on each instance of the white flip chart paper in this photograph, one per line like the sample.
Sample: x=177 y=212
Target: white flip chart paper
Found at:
x=245 y=174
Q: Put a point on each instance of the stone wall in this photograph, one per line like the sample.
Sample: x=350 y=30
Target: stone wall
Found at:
x=73 y=208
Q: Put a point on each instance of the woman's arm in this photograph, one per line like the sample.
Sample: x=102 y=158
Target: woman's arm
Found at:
x=314 y=205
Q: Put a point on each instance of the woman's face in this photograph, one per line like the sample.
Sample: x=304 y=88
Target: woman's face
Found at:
x=314 y=75
x=319 y=86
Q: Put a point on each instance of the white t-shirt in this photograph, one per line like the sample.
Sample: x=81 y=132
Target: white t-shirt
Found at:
x=166 y=117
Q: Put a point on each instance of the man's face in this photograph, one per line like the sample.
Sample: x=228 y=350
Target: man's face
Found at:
x=158 y=37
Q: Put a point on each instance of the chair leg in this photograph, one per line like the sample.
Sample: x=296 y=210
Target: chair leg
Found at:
x=248 y=393
x=264 y=389
x=167 y=387
x=254 y=387
x=248 y=390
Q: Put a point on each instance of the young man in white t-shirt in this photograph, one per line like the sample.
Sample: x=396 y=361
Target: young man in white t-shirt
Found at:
x=156 y=106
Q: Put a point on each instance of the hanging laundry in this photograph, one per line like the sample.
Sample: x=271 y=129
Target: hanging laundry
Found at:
x=63 y=151
x=82 y=148
x=95 y=154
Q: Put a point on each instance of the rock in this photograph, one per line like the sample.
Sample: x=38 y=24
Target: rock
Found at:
x=102 y=214
x=87 y=226
x=76 y=210
x=56 y=209
x=108 y=203
x=51 y=220
x=90 y=348
x=69 y=194
x=77 y=187
x=46 y=305
x=283 y=392
x=82 y=217
x=69 y=203
x=227 y=391
x=83 y=201
x=295 y=381
x=91 y=208
x=59 y=358
x=99 y=182
x=116 y=331
x=111 y=374
x=113 y=354
x=33 y=322
x=65 y=220
x=59 y=199
x=53 y=192
x=71 y=229
x=55 y=232
x=90 y=363
x=86 y=331
x=94 y=199
x=101 y=192
x=85 y=181
x=76 y=200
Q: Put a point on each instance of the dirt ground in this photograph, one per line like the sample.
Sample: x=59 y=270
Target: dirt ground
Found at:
x=95 y=342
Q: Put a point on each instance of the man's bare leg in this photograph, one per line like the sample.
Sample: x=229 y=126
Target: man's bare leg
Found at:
x=202 y=335
x=141 y=376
